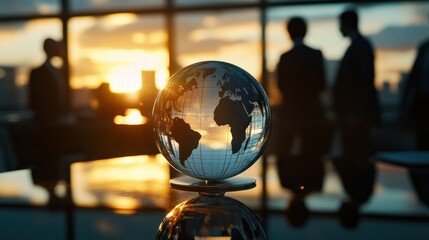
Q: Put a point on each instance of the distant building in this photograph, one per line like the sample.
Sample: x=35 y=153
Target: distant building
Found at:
x=401 y=84
x=9 y=92
x=387 y=96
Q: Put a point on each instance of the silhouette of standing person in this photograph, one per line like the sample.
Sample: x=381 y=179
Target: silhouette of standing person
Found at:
x=301 y=79
x=416 y=110
x=47 y=87
x=355 y=104
x=47 y=94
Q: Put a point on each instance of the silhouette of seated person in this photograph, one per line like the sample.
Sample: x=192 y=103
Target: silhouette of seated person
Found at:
x=415 y=110
x=301 y=79
x=355 y=105
x=47 y=100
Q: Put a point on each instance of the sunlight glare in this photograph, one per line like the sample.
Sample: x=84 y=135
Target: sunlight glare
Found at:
x=118 y=19
x=139 y=37
x=132 y=116
x=121 y=202
x=161 y=77
x=125 y=79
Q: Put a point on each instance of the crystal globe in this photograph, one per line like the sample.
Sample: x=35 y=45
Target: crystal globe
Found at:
x=211 y=217
x=211 y=120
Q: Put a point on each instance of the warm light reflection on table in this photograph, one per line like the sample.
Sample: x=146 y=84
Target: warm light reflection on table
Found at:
x=128 y=184
x=17 y=187
x=121 y=183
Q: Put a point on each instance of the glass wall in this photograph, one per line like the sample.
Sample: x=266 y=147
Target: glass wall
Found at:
x=112 y=5
x=232 y=36
x=210 y=2
x=116 y=49
x=21 y=48
x=23 y=7
x=395 y=29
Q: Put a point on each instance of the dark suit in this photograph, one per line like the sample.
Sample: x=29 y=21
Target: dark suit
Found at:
x=47 y=93
x=355 y=97
x=416 y=109
x=301 y=78
x=416 y=95
x=357 y=109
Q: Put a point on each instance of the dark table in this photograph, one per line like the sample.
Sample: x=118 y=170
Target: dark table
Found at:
x=409 y=159
x=417 y=163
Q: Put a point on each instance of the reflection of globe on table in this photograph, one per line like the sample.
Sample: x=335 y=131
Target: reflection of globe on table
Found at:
x=211 y=120
x=211 y=217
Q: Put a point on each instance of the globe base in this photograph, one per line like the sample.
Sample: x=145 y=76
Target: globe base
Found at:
x=207 y=187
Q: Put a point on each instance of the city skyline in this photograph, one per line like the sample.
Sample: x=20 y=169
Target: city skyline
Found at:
x=117 y=47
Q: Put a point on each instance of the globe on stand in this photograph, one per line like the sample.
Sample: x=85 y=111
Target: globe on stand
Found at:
x=211 y=122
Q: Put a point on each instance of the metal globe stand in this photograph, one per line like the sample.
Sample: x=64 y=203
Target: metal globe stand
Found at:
x=207 y=187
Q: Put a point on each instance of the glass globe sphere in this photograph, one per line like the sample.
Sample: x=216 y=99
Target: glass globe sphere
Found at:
x=211 y=217
x=212 y=120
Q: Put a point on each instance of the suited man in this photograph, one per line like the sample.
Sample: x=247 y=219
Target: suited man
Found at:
x=47 y=87
x=416 y=111
x=301 y=78
x=47 y=99
x=356 y=107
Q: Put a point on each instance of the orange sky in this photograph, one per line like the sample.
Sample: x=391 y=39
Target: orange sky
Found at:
x=116 y=48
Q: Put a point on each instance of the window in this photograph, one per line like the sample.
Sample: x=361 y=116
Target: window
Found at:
x=22 y=49
x=113 y=5
x=23 y=7
x=384 y=24
x=232 y=36
x=115 y=49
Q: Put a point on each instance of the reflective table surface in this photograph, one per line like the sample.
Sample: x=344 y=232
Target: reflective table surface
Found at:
x=128 y=197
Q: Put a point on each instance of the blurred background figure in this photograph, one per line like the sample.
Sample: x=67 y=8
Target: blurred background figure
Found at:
x=301 y=78
x=47 y=100
x=47 y=87
x=415 y=110
x=356 y=108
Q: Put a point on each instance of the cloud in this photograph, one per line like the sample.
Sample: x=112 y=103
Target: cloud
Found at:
x=85 y=5
x=209 y=45
x=400 y=37
x=148 y=33
x=122 y=37
x=17 y=6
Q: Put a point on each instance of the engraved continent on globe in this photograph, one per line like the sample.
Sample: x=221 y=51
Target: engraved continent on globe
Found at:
x=212 y=120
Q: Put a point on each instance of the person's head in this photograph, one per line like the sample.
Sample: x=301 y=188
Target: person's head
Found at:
x=51 y=48
x=348 y=22
x=296 y=27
